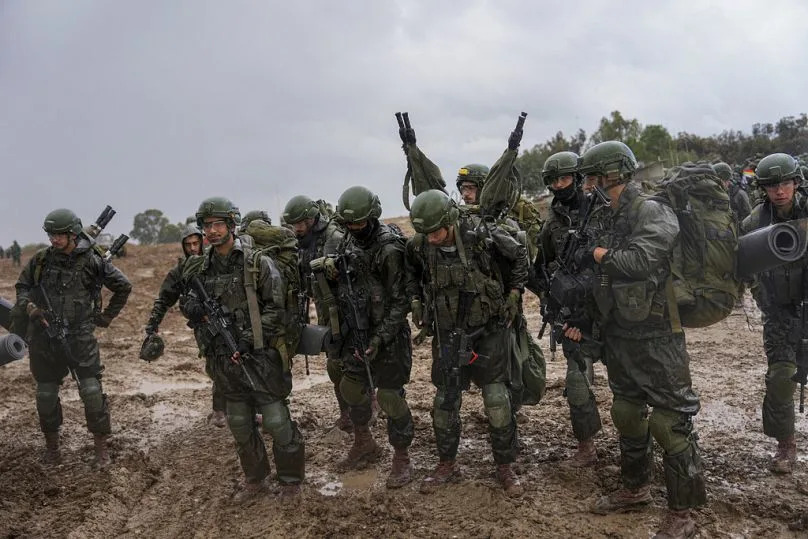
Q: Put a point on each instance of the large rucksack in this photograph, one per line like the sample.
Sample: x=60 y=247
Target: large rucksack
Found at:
x=703 y=263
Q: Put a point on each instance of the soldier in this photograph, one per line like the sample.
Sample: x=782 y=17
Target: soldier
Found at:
x=15 y=253
x=645 y=355
x=2 y=253
x=470 y=284
x=470 y=181
x=778 y=294
x=738 y=199
x=319 y=236
x=173 y=290
x=257 y=377
x=371 y=260
x=69 y=274
x=255 y=215
x=567 y=210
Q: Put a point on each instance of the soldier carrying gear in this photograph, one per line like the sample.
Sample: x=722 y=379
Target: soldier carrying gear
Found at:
x=470 y=286
x=779 y=293
x=567 y=210
x=738 y=199
x=254 y=215
x=375 y=347
x=319 y=236
x=645 y=356
x=63 y=310
x=249 y=297
x=14 y=252
x=470 y=181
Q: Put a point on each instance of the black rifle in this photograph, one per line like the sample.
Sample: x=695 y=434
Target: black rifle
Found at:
x=303 y=302
x=457 y=352
x=566 y=287
x=801 y=376
x=55 y=328
x=357 y=319
x=218 y=323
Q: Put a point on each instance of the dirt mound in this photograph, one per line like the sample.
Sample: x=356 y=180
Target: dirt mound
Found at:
x=173 y=475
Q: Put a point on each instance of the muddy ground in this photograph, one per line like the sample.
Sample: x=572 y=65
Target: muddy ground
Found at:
x=173 y=475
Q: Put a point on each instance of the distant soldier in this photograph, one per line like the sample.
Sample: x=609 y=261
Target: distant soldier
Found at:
x=2 y=253
x=470 y=287
x=255 y=215
x=15 y=252
x=738 y=199
x=171 y=291
x=60 y=289
x=319 y=236
x=778 y=293
x=370 y=263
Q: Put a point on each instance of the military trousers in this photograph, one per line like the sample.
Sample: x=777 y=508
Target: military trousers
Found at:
x=781 y=337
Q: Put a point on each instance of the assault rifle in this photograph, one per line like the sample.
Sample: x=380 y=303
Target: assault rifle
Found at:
x=567 y=287
x=56 y=330
x=357 y=315
x=218 y=323
x=457 y=352
x=303 y=302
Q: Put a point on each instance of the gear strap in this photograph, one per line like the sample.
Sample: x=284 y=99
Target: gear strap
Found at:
x=673 y=307
x=251 y=272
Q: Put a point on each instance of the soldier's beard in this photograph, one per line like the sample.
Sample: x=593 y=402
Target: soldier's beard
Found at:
x=221 y=241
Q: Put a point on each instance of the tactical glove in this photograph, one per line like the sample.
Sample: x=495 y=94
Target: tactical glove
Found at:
x=515 y=139
x=103 y=320
x=417 y=312
x=326 y=265
x=511 y=310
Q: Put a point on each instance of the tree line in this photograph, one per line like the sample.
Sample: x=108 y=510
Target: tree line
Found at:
x=151 y=227
x=654 y=142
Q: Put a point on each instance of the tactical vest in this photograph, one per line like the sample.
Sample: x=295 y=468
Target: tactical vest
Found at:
x=72 y=288
x=470 y=268
x=228 y=289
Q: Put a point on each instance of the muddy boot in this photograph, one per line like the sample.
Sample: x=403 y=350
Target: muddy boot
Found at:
x=676 y=525
x=52 y=454
x=344 y=422
x=250 y=491
x=401 y=472
x=289 y=493
x=623 y=501
x=445 y=472
x=786 y=456
x=102 y=459
x=218 y=419
x=509 y=481
x=364 y=450
x=585 y=456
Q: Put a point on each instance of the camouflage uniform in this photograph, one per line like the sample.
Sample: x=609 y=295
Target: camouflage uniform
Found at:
x=15 y=252
x=223 y=279
x=73 y=284
x=739 y=202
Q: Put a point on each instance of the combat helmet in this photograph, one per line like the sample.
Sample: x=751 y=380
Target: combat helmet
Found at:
x=560 y=164
x=776 y=168
x=432 y=210
x=473 y=173
x=299 y=208
x=606 y=158
x=254 y=215
x=357 y=204
x=218 y=207
x=723 y=171
x=152 y=348
x=62 y=221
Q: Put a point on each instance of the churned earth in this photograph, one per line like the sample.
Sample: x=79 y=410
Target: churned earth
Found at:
x=174 y=476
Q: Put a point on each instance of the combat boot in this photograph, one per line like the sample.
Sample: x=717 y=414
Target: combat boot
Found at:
x=676 y=525
x=102 y=459
x=623 y=501
x=52 y=454
x=289 y=492
x=509 y=481
x=786 y=456
x=364 y=450
x=586 y=455
x=401 y=471
x=446 y=471
x=344 y=422
x=217 y=418
x=250 y=491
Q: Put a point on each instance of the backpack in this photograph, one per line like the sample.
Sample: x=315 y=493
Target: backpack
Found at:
x=502 y=187
x=705 y=287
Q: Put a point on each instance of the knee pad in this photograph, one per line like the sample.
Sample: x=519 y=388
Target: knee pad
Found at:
x=393 y=403
x=577 y=388
x=278 y=422
x=630 y=419
x=671 y=430
x=47 y=397
x=240 y=420
x=91 y=394
x=441 y=419
x=334 y=369
x=353 y=391
x=779 y=385
x=497 y=404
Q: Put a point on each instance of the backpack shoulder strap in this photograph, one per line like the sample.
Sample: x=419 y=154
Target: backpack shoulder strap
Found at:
x=252 y=269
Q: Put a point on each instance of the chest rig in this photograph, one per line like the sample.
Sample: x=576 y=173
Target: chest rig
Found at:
x=72 y=288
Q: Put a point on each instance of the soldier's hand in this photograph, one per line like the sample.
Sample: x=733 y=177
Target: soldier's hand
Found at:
x=515 y=139
x=34 y=312
x=417 y=312
x=325 y=264
x=373 y=348
x=103 y=320
x=572 y=333
x=511 y=310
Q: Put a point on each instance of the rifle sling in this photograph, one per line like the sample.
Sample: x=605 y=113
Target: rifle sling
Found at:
x=251 y=272
x=673 y=307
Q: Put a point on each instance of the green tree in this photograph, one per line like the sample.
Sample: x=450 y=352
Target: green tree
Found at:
x=147 y=226
x=170 y=233
x=616 y=127
x=656 y=144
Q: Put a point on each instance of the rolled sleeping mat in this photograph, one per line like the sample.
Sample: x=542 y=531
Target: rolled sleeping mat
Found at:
x=5 y=312
x=769 y=247
x=12 y=348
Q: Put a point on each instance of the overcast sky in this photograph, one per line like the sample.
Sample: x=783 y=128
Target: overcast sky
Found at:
x=159 y=103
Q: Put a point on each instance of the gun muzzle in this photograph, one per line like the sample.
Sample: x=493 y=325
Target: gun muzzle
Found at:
x=406 y=117
x=400 y=120
x=116 y=246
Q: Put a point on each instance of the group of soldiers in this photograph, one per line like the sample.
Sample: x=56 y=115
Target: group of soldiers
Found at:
x=462 y=277
x=13 y=252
